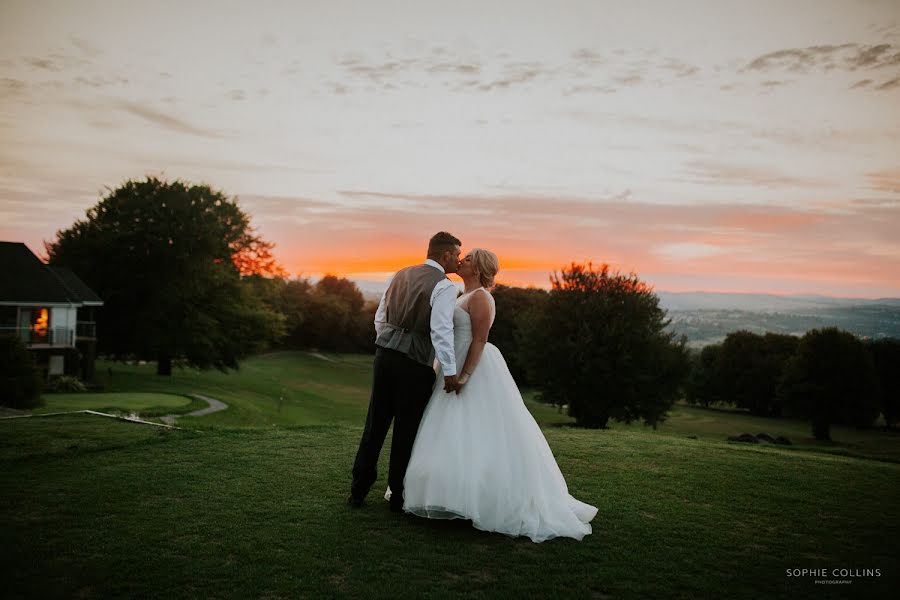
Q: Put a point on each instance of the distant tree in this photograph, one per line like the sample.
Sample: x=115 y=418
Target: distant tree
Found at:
x=704 y=385
x=600 y=346
x=749 y=369
x=167 y=258
x=886 y=357
x=267 y=288
x=331 y=315
x=293 y=303
x=20 y=381
x=779 y=348
x=515 y=306
x=341 y=289
x=361 y=335
x=740 y=371
x=831 y=379
x=328 y=322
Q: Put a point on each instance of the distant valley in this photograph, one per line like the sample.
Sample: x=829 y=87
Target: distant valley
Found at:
x=706 y=318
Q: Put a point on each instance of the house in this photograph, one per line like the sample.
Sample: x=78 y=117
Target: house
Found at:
x=51 y=309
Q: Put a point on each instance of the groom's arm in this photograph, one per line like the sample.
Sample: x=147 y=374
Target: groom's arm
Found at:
x=380 y=315
x=443 y=302
x=381 y=312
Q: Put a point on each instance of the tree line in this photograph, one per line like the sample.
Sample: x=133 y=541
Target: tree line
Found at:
x=599 y=343
x=828 y=376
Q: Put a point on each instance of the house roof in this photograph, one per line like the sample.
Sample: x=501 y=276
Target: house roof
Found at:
x=76 y=286
x=27 y=279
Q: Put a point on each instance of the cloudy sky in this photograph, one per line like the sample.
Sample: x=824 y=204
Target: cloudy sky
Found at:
x=706 y=145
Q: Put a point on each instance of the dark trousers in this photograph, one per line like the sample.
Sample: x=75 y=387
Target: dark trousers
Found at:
x=401 y=388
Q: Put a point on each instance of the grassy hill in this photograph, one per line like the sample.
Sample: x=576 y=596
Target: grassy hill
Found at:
x=249 y=503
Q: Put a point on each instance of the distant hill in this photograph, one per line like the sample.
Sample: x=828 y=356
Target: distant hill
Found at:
x=762 y=302
x=706 y=318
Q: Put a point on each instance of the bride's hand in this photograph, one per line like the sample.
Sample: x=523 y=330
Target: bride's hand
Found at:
x=462 y=381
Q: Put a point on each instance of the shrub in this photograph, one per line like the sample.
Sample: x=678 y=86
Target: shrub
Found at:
x=66 y=383
x=20 y=381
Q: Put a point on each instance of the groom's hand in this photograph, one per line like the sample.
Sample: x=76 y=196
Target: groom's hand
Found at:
x=451 y=383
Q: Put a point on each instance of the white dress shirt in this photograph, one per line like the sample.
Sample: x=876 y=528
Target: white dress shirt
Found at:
x=443 y=303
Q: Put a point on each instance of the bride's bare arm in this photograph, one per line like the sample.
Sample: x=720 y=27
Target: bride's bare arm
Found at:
x=480 y=313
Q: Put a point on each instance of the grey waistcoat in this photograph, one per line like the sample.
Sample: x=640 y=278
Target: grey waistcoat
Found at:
x=408 y=309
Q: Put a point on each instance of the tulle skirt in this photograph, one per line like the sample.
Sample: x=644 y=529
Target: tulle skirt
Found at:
x=480 y=455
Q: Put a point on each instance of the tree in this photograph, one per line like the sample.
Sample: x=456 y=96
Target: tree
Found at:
x=330 y=315
x=740 y=363
x=343 y=290
x=830 y=379
x=704 y=385
x=749 y=369
x=20 y=382
x=599 y=345
x=886 y=356
x=167 y=258
x=515 y=306
x=779 y=348
x=292 y=303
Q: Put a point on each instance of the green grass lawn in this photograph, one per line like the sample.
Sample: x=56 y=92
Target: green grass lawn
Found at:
x=98 y=508
x=283 y=388
x=718 y=424
x=295 y=388
x=128 y=402
x=249 y=502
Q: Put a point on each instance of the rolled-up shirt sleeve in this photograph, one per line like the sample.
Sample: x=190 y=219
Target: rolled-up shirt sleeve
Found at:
x=443 y=303
x=381 y=312
x=380 y=316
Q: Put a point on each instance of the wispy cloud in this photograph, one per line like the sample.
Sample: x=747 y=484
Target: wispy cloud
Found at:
x=584 y=71
x=169 y=122
x=889 y=85
x=885 y=181
x=44 y=64
x=12 y=87
x=717 y=172
x=86 y=47
x=848 y=57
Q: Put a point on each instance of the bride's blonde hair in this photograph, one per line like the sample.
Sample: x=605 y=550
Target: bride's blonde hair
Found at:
x=485 y=265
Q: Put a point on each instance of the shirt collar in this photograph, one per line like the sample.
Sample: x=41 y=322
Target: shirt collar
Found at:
x=434 y=264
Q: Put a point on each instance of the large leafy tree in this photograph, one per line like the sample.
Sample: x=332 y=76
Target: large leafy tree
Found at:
x=167 y=258
x=705 y=386
x=600 y=346
x=886 y=355
x=749 y=369
x=515 y=306
x=831 y=379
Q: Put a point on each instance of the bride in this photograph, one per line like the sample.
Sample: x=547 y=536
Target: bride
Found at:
x=479 y=454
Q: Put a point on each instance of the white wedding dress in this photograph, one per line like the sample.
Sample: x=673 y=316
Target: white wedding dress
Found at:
x=480 y=455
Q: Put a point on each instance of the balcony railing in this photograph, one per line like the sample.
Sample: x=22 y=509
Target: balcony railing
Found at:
x=86 y=330
x=52 y=336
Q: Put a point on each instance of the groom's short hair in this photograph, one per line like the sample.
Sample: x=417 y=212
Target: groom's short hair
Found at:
x=442 y=242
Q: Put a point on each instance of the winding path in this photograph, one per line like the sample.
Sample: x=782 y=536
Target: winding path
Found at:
x=167 y=420
x=214 y=406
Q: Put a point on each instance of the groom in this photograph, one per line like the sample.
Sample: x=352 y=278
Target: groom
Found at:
x=414 y=321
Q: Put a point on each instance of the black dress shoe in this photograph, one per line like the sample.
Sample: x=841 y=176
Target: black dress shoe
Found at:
x=354 y=501
x=396 y=507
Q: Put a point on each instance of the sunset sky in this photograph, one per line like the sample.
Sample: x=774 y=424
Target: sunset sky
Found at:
x=706 y=145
